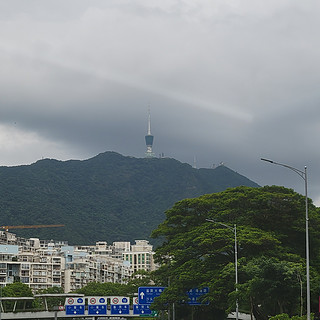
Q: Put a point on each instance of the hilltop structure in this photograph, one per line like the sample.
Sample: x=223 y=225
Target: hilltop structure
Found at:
x=149 y=139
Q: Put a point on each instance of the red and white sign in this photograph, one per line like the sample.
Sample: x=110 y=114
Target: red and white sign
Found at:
x=135 y=300
x=74 y=301
x=119 y=300
x=97 y=300
x=114 y=300
x=61 y=308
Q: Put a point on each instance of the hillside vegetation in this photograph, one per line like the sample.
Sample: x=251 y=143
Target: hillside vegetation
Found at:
x=108 y=197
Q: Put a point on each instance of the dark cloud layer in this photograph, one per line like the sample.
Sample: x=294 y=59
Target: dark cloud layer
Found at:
x=226 y=82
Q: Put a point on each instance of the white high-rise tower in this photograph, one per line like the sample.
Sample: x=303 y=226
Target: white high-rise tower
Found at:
x=149 y=138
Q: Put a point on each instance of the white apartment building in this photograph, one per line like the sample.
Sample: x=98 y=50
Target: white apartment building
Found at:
x=39 y=269
x=84 y=265
x=44 y=264
x=140 y=256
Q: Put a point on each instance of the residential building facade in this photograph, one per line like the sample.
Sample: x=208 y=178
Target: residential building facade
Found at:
x=44 y=264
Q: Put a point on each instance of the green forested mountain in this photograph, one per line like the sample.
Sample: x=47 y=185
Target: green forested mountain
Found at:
x=108 y=197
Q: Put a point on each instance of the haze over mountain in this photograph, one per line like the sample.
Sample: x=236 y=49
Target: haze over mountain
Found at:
x=108 y=197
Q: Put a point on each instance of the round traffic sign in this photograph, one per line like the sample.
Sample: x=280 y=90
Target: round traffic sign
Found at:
x=102 y=300
x=93 y=301
x=70 y=301
x=115 y=300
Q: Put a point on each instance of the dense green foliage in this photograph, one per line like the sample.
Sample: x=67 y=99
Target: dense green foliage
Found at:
x=16 y=289
x=284 y=316
x=51 y=302
x=109 y=197
x=270 y=225
x=54 y=295
x=140 y=278
x=104 y=289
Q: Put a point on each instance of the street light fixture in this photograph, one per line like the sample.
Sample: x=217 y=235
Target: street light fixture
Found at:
x=234 y=229
x=303 y=175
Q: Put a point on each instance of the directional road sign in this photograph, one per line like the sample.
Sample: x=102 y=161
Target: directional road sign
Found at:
x=141 y=309
x=120 y=305
x=97 y=309
x=194 y=296
x=120 y=309
x=97 y=305
x=146 y=295
x=74 y=306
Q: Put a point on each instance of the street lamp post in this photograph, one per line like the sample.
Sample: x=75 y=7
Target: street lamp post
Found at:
x=234 y=229
x=303 y=175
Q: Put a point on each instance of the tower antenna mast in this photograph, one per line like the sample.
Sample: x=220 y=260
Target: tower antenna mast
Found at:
x=149 y=138
x=149 y=122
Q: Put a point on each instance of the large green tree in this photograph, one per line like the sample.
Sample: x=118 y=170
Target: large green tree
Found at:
x=140 y=278
x=50 y=302
x=16 y=289
x=104 y=289
x=270 y=225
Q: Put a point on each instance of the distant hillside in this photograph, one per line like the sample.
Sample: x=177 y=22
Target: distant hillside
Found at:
x=108 y=197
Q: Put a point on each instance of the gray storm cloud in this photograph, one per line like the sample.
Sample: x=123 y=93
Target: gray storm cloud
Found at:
x=226 y=81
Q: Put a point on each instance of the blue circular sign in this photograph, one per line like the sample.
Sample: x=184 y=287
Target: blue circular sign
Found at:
x=80 y=300
x=124 y=300
x=102 y=300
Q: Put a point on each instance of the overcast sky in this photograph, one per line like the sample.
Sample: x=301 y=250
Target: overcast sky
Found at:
x=226 y=80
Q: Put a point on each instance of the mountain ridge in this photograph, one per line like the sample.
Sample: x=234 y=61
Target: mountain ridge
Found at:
x=108 y=197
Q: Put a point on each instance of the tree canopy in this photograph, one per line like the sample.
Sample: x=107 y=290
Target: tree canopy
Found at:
x=139 y=279
x=16 y=289
x=270 y=230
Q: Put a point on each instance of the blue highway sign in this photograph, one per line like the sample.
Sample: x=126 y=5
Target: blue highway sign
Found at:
x=194 y=296
x=97 y=305
x=141 y=309
x=97 y=309
x=74 y=306
x=146 y=295
x=75 y=309
x=120 y=309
